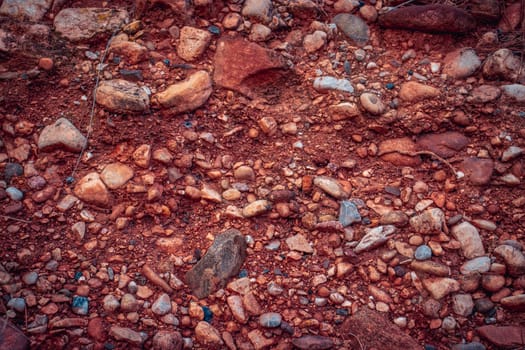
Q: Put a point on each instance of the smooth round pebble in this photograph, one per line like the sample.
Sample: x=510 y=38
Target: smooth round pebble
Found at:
x=17 y=304
x=30 y=278
x=423 y=252
x=372 y=103
x=270 y=320
x=14 y=193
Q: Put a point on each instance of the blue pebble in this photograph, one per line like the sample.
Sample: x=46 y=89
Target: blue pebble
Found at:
x=410 y=72
x=243 y=273
x=78 y=274
x=208 y=314
x=270 y=320
x=70 y=180
x=341 y=312
x=214 y=30
x=390 y=86
x=423 y=252
x=14 y=193
x=80 y=305
x=166 y=62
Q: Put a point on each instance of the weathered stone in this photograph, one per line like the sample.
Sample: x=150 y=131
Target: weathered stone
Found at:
x=515 y=91
x=431 y=221
x=162 y=305
x=445 y=144
x=330 y=186
x=439 y=287
x=131 y=51
x=33 y=10
x=412 y=91
x=83 y=23
x=315 y=41
x=116 y=175
x=353 y=27
x=374 y=237
x=167 y=340
x=222 y=261
x=463 y=304
x=328 y=83
x=258 y=9
x=61 y=134
x=128 y=335
x=514 y=259
x=429 y=18
x=477 y=170
x=468 y=237
x=484 y=94
x=344 y=110
x=502 y=336
x=92 y=190
x=461 y=63
x=372 y=103
x=142 y=155
x=299 y=243
x=208 y=335
x=399 y=152
x=503 y=65
x=480 y=264
x=379 y=331
x=511 y=17
x=192 y=43
x=431 y=267
x=514 y=302
x=187 y=95
x=96 y=329
x=317 y=342
x=244 y=67
x=122 y=96
x=237 y=308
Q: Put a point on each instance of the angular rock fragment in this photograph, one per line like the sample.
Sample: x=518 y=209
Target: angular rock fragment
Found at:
x=374 y=238
x=435 y=18
x=167 y=340
x=128 y=335
x=78 y=24
x=61 y=134
x=327 y=83
x=222 y=261
x=258 y=9
x=186 y=95
x=299 y=243
x=208 y=335
x=431 y=221
x=414 y=92
x=131 y=51
x=439 y=287
x=330 y=186
x=503 y=65
x=122 y=96
x=468 y=236
x=116 y=175
x=245 y=67
x=192 y=43
x=514 y=259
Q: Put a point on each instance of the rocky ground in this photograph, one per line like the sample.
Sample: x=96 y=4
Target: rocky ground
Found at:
x=258 y=174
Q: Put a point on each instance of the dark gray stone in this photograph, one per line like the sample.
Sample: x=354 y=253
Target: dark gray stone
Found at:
x=353 y=27
x=348 y=213
x=222 y=260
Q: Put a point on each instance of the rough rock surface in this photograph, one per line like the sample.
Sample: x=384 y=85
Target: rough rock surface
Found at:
x=83 y=23
x=122 y=96
x=61 y=133
x=186 y=95
x=222 y=260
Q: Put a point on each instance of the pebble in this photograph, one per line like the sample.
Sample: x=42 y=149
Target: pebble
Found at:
x=122 y=96
x=353 y=27
x=208 y=335
x=492 y=283
x=330 y=186
x=470 y=240
x=315 y=41
x=462 y=304
x=461 y=63
x=511 y=153
x=308 y=342
x=17 y=304
x=513 y=258
x=414 y=92
x=423 y=252
x=439 y=287
x=348 y=213
x=127 y=335
x=374 y=238
x=128 y=303
x=480 y=264
x=236 y=306
x=115 y=175
x=274 y=289
x=12 y=170
x=502 y=64
x=80 y=305
x=167 y=340
x=515 y=91
x=323 y=84
x=431 y=221
x=270 y=320
x=162 y=305
x=449 y=323
x=110 y=303
x=372 y=103
x=256 y=208
x=14 y=193
x=257 y=9
x=30 y=278
x=192 y=43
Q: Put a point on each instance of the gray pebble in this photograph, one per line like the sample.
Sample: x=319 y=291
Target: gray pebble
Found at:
x=30 y=278
x=14 y=193
x=17 y=304
x=270 y=320
x=423 y=252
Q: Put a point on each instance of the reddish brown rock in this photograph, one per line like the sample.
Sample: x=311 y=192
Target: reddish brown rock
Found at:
x=378 y=331
x=131 y=51
x=398 y=152
x=317 y=342
x=503 y=336
x=477 y=170
x=435 y=18
x=445 y=145
x=96 y=329
x=243 y=66
x=12 y=338
x=511 y=18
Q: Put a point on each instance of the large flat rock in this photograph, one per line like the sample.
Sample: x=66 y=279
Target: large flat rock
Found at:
x=121 y=96
x=78 y=24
